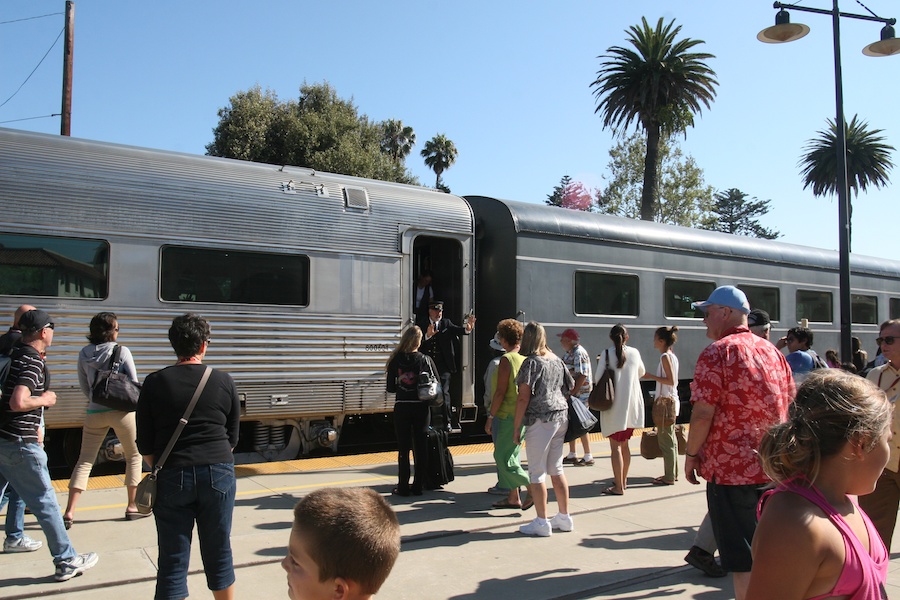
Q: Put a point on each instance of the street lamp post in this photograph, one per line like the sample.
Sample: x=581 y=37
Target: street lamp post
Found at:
x=785 y=31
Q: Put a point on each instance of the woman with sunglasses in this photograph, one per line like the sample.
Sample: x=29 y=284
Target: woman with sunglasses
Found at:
x=882 y=504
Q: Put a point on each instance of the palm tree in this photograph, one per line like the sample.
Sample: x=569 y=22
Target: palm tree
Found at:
x=439 y=154
x=868 y=160
x=660 y=85
x=398 y=139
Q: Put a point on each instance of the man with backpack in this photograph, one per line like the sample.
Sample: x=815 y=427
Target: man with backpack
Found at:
x=23 y=462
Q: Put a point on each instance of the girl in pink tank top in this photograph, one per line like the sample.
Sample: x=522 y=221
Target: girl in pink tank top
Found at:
x=813 y=541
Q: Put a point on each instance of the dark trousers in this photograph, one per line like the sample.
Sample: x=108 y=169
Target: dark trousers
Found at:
x=881 y=505
x=411 y=421
x=447 y=409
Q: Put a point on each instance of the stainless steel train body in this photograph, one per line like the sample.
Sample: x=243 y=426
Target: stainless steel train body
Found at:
x=566 y=268
x=308 y=278
x=305 y=277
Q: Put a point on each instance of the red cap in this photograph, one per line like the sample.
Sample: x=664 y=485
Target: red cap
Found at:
x=569 y=333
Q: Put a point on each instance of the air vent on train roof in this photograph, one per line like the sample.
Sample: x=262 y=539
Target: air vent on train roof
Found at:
x=356 y=197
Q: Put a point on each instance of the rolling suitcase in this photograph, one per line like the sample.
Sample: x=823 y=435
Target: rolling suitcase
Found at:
x=440 y=461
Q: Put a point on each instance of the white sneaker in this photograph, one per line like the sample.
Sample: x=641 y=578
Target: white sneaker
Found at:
x=562 y=522
x=539 y=527
x=23 y=544
x=76 y=566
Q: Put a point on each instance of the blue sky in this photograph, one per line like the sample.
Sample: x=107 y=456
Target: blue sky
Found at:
x=507 y=82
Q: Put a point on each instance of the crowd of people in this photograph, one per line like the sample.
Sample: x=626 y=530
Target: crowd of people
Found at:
x=785 y=441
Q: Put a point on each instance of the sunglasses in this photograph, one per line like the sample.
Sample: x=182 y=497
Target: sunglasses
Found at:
x=888 y=339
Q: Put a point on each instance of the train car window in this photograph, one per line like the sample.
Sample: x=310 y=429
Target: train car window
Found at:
x=863 y=309
x=815 y=306
x=34 y=265
x=765 y=298
x=229 y=276
x=894 y=308
x=606 y=294
x=680 y=293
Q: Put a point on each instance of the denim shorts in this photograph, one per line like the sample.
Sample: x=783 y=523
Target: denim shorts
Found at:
x=201 y=494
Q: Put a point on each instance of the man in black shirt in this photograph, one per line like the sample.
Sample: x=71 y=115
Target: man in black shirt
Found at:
x=23 y=462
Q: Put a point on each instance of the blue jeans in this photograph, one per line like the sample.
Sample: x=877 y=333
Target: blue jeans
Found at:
x=203 y=494
x=15 y=514
x=24 y=466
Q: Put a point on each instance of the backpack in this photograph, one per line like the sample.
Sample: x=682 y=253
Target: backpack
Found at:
x=818 y=363
x=5 y=362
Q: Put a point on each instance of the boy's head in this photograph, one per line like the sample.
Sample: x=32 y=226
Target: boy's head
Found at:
x=344 y=543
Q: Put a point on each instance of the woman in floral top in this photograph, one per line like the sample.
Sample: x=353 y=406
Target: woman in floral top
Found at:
x=541 y=406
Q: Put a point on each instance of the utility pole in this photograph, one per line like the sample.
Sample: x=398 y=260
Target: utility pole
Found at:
x=65 y=125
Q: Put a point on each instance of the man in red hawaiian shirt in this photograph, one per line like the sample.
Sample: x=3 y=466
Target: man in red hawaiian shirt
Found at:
x=742 y=386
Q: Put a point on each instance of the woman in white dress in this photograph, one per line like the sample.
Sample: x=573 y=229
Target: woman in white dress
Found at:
x=627 y=412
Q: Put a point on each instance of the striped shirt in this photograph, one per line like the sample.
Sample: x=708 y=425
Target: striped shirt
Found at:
x=27 y=369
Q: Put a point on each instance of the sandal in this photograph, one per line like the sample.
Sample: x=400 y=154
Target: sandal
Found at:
x=611 y=491
x=528 y=503
x=662 y=481
x=68 y=523
x=506 y=504
x=135 y=515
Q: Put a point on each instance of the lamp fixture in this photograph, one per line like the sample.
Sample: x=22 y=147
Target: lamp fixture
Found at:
x=887 y=46
x=783 y=30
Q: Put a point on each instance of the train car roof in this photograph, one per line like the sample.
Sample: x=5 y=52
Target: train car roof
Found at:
x=551 y=220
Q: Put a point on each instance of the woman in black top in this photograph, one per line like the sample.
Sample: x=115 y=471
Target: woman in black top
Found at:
x=411 y=415
x=196 y=484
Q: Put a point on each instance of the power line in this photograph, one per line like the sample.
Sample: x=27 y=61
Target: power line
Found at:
x=30 y=118
x=35 y=69
x=29 y=18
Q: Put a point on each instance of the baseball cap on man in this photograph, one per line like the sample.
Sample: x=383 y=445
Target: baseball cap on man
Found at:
x=34 y=320
x=569 y=333
x=757 y=318
x=726 y=295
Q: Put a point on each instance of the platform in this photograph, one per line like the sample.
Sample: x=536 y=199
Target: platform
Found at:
x=454 y=545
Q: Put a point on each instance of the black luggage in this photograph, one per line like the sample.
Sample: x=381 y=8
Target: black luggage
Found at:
x=440 y=461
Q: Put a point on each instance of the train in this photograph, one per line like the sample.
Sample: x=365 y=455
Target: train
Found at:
x=308 y=278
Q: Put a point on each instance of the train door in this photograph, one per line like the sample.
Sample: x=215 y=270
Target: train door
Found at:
x=447 y=258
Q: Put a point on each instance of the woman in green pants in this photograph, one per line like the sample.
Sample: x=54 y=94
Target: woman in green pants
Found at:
x=502 y=412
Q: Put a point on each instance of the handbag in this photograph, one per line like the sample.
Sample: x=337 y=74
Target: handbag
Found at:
x=604 y=391
x=650 y=443
x=581 y=420
x=113 y=389
x=663 y=412
x=146 y=489
x=430 y=390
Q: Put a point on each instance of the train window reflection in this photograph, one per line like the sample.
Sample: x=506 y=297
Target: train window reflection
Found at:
x=33 y=265
x=229 y=276
x=765 y=298
x=863 y=309
x=680 y=293
x=606 y=294
x=894 y=308
x=814 y=306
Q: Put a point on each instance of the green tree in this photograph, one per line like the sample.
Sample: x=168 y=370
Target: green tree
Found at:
x=556 y=198
x=398 y=139
x=868 y=160
x=319 y=130
x=683 y=197
x=658 y=86
x=439 y=154
x=738 y=215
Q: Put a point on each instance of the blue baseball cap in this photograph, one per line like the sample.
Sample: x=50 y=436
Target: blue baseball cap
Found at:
x=726 y=295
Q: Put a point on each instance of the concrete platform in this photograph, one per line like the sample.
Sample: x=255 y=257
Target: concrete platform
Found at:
x=454 y=545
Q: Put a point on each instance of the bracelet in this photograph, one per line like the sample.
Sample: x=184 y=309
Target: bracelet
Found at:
x=689 y=455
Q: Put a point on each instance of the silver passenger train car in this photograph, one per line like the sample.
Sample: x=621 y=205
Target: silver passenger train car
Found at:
x=308 y=278
x=305 y=277
x=566 y=268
